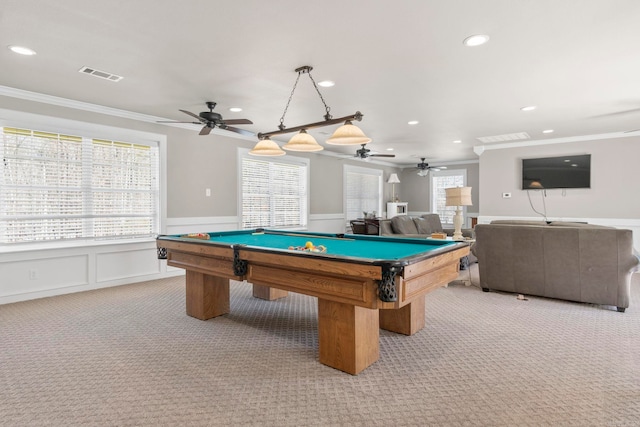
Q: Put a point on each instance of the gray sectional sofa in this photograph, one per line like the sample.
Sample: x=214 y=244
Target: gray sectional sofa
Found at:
x=422 y=226
x=569 y=261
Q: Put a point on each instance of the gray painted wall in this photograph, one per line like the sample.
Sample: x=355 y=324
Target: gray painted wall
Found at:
x=614 y=181
x=415 y=190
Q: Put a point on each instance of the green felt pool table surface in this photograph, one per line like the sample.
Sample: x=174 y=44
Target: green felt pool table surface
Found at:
x=361 y=247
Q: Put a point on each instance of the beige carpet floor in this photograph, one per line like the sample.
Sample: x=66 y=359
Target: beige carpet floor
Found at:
x=129 y=356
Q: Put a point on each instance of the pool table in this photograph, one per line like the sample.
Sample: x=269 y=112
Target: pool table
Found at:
x=362 y=282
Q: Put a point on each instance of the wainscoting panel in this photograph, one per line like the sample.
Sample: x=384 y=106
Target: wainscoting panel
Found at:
x=37 y=275
x=126 y=264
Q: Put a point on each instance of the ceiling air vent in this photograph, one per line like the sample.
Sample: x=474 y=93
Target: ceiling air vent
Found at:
x=506 y=137
x=101 y=74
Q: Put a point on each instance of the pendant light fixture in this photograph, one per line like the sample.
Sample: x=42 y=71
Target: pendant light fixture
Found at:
x=303 y=142
x=348 y=134
x=266 y=147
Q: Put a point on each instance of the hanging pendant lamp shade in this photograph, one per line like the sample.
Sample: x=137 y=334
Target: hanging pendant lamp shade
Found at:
x=266 y=147
x=303 y=142
x=348 y=134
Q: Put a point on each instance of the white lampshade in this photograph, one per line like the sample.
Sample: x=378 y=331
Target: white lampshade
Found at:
x=393 y=179
x=458 y=196
x=303 y=142
x=423 y=172
x=348 y=134
x=266 y=147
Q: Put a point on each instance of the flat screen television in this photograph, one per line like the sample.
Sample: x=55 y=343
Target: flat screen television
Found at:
x=557 y=172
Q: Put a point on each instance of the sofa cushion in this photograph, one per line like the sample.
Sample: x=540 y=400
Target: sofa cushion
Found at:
x=422 y=226
x=577 y=225
x=430 y=223
x=518 y=222
x=403 y=224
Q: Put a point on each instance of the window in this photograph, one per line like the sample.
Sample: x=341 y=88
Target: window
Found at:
x=362 y=191
x=58 y=187
x=439 y=181
x=273 y=192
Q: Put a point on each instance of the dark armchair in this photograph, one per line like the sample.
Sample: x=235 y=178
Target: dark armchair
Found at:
x=364 y=226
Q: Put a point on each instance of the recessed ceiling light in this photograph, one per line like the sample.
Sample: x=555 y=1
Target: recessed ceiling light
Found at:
x=457 y=141
x=22 y=50
x=575 y=165
x=547 y=131
x=413 y=122
x=389 y=149
x=235 y=109
x=528 y=108
x=326 y=83
x=476 y=40
x=567 y=160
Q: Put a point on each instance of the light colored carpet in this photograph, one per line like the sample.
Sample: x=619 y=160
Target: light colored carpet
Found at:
x=129 y=356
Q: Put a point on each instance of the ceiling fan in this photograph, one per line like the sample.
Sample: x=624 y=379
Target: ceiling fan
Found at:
x=210 y=120
x=423 y=168
x=363 y=153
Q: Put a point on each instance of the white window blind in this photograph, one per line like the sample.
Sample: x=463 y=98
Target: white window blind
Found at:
x=55 y=187
x=439 y=181
x=274 y=193
x=363 y=191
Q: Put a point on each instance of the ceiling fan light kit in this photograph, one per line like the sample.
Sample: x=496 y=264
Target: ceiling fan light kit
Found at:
x=348 y=134
x=423 y=168
x=364 y=153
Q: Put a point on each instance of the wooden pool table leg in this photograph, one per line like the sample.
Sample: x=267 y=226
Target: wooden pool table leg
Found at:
x=348 y=336
x=268 y=293
x=405 y=320
x=207 y=296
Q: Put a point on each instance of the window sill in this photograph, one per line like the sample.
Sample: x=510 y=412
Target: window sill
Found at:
x=50 y=246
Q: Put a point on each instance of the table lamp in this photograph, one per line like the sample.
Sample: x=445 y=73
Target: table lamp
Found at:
x=393 y=180
x=458 y=196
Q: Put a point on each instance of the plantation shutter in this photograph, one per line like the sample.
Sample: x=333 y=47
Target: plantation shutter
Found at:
x=363 y=190
x=274 y=193
x=440 y=181
x=59 y=187
x=124 y=189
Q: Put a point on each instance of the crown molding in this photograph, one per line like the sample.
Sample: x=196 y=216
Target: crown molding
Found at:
x=101 y=109
x=479 y=149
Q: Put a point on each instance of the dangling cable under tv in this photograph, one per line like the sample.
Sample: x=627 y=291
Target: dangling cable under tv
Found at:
x=572 y=171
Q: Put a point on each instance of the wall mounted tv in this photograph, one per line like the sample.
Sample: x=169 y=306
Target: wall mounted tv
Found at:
x=557 y=172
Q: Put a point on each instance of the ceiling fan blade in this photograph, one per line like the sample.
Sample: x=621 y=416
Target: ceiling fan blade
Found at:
x=205 y=130
x=382 y=155
x=237 y=130
x=192 y=115
x=238 y=122
x=629 y=131
x=173 y=121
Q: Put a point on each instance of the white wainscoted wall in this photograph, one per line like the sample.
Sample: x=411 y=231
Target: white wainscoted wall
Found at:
x=37 y=271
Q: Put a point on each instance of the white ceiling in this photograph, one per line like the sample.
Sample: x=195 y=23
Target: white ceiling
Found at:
x=578 y=61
